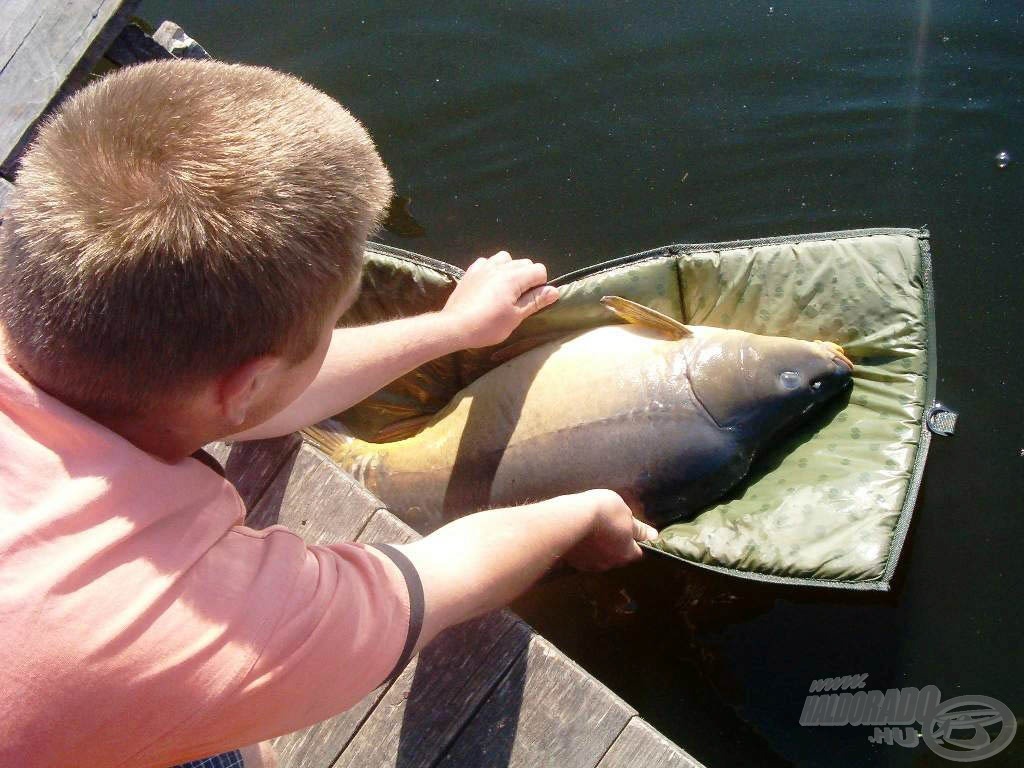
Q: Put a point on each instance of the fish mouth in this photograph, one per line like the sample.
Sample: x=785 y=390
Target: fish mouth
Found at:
x=837 y=354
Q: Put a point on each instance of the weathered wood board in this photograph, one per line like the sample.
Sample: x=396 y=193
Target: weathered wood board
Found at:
x=641 y=746
x=546 y=711
x=438 y=694
x=316 y=499
x=134 y=46
x=47 y=48
x=252 y=466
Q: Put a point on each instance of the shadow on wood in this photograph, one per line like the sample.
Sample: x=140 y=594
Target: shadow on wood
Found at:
x=439 y=692
x=546 y=711
x=253 y=465
x=316 y=499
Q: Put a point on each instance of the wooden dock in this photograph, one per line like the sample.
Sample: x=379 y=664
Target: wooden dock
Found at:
x=490 y=692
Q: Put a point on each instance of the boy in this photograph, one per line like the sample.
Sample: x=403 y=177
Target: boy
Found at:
x=181 y=242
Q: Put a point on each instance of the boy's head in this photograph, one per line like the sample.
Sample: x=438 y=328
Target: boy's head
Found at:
x=178 y=220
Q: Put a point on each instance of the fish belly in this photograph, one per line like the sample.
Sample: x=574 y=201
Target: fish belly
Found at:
x=661 y=457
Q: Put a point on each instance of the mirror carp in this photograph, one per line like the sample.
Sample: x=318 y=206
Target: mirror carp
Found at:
x=667 y=414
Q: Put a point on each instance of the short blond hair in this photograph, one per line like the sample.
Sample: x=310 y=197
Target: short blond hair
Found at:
x=177 y=219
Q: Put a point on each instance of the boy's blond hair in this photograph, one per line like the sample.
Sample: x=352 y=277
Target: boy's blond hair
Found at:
x=177 y=219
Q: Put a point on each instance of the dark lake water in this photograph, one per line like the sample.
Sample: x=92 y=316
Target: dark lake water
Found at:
x=577 y=132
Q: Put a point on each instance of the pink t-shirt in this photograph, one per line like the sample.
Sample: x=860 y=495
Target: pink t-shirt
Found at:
x=141 y=624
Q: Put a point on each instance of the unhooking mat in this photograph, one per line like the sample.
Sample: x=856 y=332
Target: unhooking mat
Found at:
x=829 y=506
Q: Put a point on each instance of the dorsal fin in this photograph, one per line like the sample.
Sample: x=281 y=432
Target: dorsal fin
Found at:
x=632 y=312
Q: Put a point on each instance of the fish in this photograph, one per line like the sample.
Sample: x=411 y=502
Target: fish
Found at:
x=669 y=415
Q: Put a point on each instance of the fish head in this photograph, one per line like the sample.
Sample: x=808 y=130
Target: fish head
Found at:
x=757 y=385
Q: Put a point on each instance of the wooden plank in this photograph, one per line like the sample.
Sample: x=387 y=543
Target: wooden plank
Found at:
x=252 y=466
x=641 y=746
x=318 y=745
x=316 y=499
x=438 y=693
x=384 y=527
x=173 y=38
x=134 y=46
x=168 y=41
x=546 y=711
x=47 y=49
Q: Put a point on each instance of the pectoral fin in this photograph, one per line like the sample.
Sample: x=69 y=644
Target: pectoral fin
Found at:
x=330 y=436
x=638 y=314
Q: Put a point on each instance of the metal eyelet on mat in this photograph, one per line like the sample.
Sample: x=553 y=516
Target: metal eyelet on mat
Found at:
x=941 y=420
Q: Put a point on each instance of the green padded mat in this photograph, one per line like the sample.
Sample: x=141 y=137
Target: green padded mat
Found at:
x=831 y=505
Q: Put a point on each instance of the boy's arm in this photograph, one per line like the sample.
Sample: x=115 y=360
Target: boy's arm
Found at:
x=489 y=302
x=313 y=629
x=483 y=561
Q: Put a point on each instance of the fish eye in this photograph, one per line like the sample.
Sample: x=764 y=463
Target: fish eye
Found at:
x=789 y=379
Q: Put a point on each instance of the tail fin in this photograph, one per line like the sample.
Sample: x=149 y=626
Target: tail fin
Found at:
x=330 y=436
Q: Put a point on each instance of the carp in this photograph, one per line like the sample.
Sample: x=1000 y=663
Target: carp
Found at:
x=670 y=415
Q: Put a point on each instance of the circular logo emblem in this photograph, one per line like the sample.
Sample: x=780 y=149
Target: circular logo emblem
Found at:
x=969 y=728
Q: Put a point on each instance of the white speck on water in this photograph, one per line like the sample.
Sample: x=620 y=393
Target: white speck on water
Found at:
x=771 y=9
x=1003 y=159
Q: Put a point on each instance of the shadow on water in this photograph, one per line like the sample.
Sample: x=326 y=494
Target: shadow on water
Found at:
x=663 y=635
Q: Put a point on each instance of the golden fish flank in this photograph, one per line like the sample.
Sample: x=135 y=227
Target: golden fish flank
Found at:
x=670 y=413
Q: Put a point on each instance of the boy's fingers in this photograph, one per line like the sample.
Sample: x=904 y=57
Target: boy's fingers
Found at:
x=537 y=298
x=530 y=275
x=477 y=264
x=501 y=257
x=643 y=532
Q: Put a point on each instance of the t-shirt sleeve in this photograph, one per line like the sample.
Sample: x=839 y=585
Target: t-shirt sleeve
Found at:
x=327 y=624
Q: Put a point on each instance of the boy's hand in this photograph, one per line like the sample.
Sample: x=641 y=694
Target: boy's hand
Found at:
x=614 y=536
x=494 y=297
x=482 y=561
